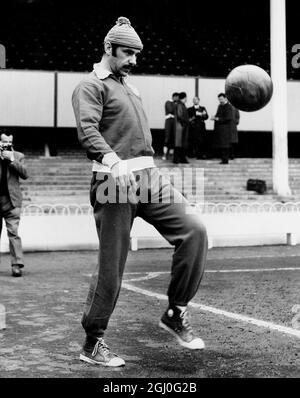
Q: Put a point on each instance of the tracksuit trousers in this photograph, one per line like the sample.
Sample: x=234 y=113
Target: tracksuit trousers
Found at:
x=172 y=218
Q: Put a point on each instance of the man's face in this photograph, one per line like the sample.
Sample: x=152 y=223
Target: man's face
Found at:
x=6 y=139
x=124 y=60
x=196 y=101
x=223 y=100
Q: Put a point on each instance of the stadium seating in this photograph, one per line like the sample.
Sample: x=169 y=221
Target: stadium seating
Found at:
x=52 y=40
x=65 y=180
x=177 y=41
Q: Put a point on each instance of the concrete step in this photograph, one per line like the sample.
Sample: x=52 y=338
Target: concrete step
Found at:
x=68 y=177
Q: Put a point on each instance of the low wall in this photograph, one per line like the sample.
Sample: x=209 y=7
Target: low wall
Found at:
x=225 y=230
x=55 y=232
x=74 y=229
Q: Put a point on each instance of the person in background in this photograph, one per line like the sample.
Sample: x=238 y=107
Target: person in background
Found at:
x=197 y=130
x=181 y=130
x=222 y=129
x=11 y=169
x=234 y=133
x=168 y=148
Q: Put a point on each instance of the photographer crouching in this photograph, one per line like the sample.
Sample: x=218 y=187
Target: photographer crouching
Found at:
x=11 y=168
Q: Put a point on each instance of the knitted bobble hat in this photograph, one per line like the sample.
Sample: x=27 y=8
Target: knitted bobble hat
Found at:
x=124 y=35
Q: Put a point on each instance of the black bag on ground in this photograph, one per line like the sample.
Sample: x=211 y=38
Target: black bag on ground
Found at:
x=258 y=186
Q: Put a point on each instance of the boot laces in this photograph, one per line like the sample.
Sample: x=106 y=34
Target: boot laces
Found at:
x=101 y=345
x=185 y=321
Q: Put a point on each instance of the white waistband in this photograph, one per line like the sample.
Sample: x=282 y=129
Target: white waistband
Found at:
x=134 y=164
x=170 y=116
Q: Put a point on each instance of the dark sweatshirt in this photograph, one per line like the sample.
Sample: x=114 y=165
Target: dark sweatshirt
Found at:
x=110 y=118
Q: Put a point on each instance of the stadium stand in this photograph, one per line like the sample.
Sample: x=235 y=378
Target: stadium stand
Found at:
x=65 y=179
x=46 y=35
x=53 y=38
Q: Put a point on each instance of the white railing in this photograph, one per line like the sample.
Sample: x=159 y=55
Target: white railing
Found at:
x=57 y=209
x=72 y=227
x=206 y=208
x=245 y=207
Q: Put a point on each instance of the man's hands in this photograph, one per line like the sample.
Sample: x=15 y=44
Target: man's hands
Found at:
x=123 y=176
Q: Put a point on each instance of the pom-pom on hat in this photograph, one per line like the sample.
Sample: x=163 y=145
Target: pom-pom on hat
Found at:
x=124 y=35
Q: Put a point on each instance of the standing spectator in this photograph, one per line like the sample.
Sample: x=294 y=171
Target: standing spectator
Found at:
x=169 y=126
x=222 y=130
x=11 y=168
x=181 y=130
x=234 y=132
x=113 y=129
x=197 y=130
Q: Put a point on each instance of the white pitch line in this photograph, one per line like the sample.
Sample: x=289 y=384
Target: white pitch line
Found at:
x=254 y=269
x=232 y=315
x=149 y=274
x=255 y=257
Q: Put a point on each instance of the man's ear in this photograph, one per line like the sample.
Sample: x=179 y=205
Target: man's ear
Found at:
x=107 y=48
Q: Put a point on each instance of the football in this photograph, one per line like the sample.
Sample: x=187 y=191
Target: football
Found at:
x=249 y=88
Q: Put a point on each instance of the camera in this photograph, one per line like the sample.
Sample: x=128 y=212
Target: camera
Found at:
x=6 y=146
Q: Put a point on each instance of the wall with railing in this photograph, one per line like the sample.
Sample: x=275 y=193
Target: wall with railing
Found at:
x=72 y=227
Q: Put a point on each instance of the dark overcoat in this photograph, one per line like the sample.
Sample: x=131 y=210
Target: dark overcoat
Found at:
x=181 y=125
x=197 y=126
x=235 y=122
x=222 y=129
x=169 y=124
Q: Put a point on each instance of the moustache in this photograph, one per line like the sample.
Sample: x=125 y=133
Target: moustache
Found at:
x=127 y=68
